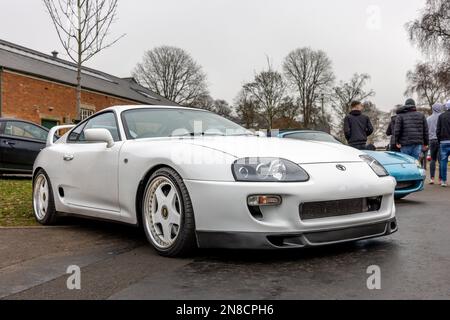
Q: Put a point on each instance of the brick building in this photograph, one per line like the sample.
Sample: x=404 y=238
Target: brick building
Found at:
x=42 y=88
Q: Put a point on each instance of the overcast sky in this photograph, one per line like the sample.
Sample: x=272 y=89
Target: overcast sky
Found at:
x=231 y=39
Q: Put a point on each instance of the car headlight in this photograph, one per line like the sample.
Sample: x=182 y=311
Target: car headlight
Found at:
x=418 y=164
x=268 y=170
x=375 y=165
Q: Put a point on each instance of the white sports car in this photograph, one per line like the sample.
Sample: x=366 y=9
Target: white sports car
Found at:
x=194 y=179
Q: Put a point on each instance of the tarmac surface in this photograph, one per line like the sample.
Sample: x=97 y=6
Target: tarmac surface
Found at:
x=117 y=263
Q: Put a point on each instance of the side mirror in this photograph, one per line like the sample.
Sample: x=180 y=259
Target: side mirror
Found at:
x=99 y=135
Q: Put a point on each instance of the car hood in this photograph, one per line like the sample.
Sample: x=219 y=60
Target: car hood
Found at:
x=298 y=151
x=390 y=158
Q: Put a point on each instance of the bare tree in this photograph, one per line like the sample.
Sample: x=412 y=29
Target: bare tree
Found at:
x=428 y=82
x=221 y=107
x=431 y=31
x=268 y=91
x=444 y=75
x=344 y=93
x=247 y=110
x=289 y=116
x=82 y=27
x=310 y=73
x=290 y=109
x=204 y=101
x=380 y=120
x=172 y=73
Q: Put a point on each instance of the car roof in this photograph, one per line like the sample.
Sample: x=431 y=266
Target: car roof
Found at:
x=123 y=108
x=21 y=120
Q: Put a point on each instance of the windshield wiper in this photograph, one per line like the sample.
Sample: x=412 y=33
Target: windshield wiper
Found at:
x=192 y=134
x=220 y=134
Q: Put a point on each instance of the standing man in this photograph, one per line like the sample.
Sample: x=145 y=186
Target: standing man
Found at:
x=357 y=126
x=391 y=128
x=443 y=136
x=411 y=130
x=434 y=143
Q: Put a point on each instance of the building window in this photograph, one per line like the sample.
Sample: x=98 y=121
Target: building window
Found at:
x=86 y=113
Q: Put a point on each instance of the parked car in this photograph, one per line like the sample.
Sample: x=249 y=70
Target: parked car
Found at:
x=20 y=143
x=406 y=170
x=194 y=179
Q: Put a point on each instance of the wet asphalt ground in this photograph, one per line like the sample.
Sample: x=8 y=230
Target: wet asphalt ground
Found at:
x=117 y=263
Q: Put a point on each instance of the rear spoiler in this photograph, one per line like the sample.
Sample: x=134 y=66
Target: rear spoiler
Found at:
x=53 y=130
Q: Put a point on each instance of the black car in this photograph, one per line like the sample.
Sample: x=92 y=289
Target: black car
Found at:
x=20 y=143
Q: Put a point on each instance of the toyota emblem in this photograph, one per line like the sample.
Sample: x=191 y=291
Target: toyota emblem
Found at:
x=341 y=167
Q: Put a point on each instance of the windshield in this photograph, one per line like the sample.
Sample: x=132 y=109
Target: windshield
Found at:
x=154 y=123
x=314 y=136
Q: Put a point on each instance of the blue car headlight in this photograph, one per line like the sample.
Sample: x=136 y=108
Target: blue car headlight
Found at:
x=268 y=170
x=418 y=164
x=375 y=165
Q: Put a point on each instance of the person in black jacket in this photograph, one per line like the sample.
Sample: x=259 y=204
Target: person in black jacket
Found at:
x=443 y=136
x=357 y=126
x=391 y=127
x=411 y=130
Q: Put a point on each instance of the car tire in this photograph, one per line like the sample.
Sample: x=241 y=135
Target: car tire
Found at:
x=167 y=212
x=43 y=201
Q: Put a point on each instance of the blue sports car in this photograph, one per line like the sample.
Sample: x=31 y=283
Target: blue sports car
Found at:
x=405 y=169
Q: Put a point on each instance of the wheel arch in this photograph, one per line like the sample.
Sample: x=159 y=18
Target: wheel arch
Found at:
x=141 y=189
x=35 y=171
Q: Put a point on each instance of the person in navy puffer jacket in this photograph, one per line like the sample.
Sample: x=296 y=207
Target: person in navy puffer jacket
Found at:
x=411 y=130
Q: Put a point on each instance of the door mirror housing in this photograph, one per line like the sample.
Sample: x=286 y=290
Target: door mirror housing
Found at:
x=99 y=135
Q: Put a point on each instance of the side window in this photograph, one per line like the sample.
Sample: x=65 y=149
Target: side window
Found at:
x=103 y=121
x=75 y=133
x=25 y=130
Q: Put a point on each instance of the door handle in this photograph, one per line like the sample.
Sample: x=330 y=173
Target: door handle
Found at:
x=10 y=143
x=68 y=157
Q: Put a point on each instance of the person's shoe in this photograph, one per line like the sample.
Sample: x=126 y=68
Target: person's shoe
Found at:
x=431 y=181
x=444 y=184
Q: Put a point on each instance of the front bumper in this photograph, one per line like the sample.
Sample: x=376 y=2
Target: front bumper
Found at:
x=256 y=240
x=221 y=211
x=407 y=173
x=416 y=186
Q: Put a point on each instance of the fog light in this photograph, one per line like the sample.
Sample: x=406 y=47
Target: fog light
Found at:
x=263 y=200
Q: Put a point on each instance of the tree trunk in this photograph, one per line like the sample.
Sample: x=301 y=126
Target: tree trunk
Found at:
x=79 y=64
x=78 y=102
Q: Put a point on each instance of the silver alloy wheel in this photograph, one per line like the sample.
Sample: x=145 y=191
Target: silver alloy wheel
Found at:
x=162 y=212
x=40 y=196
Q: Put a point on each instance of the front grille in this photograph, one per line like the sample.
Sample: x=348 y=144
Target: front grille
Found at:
x=403 y=185
x=333 y=208
x=347 y=234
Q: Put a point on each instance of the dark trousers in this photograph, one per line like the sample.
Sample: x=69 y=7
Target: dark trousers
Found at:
x=434 y=152
x=359 y=146
x=393 y=147
x=444 y=154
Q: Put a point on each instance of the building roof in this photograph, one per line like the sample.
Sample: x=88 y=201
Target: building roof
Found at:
x=24 y=60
